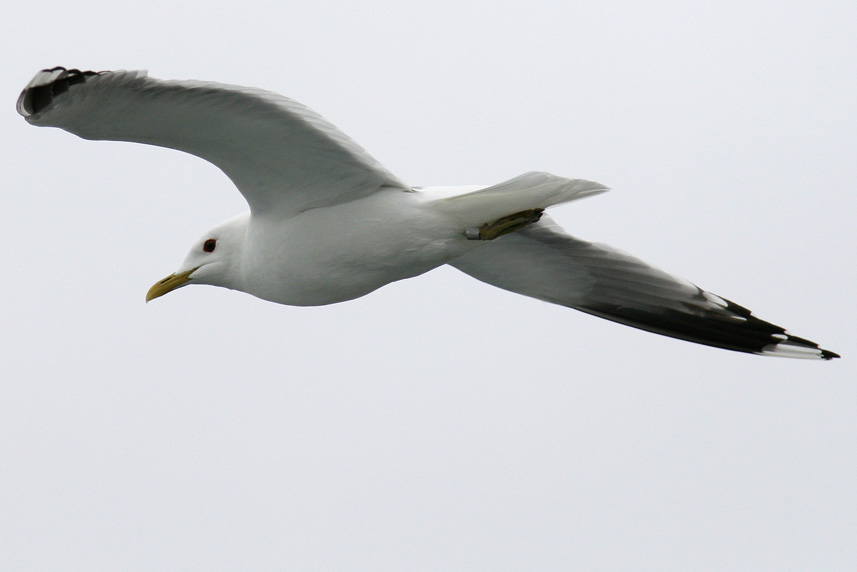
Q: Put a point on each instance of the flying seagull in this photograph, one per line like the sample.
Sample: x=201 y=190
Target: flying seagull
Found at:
x=328 y=223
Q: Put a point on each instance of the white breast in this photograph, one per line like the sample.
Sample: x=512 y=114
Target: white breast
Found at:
x=333 y=254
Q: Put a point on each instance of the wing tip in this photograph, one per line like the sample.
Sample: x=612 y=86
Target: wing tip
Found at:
x=786 y=345
x=46 y=85
x=782 y=343
x=799 y=348
x=829 y=355
x=732 y=328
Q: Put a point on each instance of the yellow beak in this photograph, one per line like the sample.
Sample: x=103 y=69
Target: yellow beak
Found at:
x=169 y=284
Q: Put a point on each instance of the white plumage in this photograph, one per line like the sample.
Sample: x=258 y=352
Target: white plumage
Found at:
x=328 y=223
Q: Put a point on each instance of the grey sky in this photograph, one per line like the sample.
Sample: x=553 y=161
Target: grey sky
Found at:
x=439 y=424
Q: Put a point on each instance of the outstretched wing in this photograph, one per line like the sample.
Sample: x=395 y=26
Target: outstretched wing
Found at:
x=544 y=262
x=283 y=157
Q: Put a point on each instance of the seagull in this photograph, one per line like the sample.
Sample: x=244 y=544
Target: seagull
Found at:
x=328 y=223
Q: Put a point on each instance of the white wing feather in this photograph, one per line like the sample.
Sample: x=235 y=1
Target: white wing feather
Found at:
x=283 y=157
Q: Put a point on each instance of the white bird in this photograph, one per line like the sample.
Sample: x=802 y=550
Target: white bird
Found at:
x=328 y=223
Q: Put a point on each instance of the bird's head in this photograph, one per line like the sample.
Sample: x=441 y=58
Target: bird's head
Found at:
x=214 y=259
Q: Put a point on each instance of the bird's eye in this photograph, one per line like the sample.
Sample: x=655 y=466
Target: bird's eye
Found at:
x=209 y=245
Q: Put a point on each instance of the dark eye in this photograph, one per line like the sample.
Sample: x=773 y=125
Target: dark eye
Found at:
x=209 y=245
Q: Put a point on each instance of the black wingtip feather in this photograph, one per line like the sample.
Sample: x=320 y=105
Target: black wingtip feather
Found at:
x=46 y=86
x=746 y=333
x=828 y=355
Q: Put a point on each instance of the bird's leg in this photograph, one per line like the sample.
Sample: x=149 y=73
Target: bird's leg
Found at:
x=505 y=225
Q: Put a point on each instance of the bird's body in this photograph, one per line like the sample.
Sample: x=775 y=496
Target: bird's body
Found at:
x=346 y=251
x=327 y=223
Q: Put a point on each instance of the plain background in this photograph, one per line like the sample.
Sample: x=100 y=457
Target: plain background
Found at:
x=439 y=424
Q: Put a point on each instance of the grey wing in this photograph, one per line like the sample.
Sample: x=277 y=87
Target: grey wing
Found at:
x=282 y=156
x=544 y=262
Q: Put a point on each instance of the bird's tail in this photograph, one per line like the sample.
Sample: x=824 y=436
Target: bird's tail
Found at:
x=533 y=190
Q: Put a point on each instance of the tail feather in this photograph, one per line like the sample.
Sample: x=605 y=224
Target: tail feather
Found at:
x=533 y=190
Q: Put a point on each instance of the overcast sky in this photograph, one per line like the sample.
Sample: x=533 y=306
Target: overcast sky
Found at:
x=439 y=424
